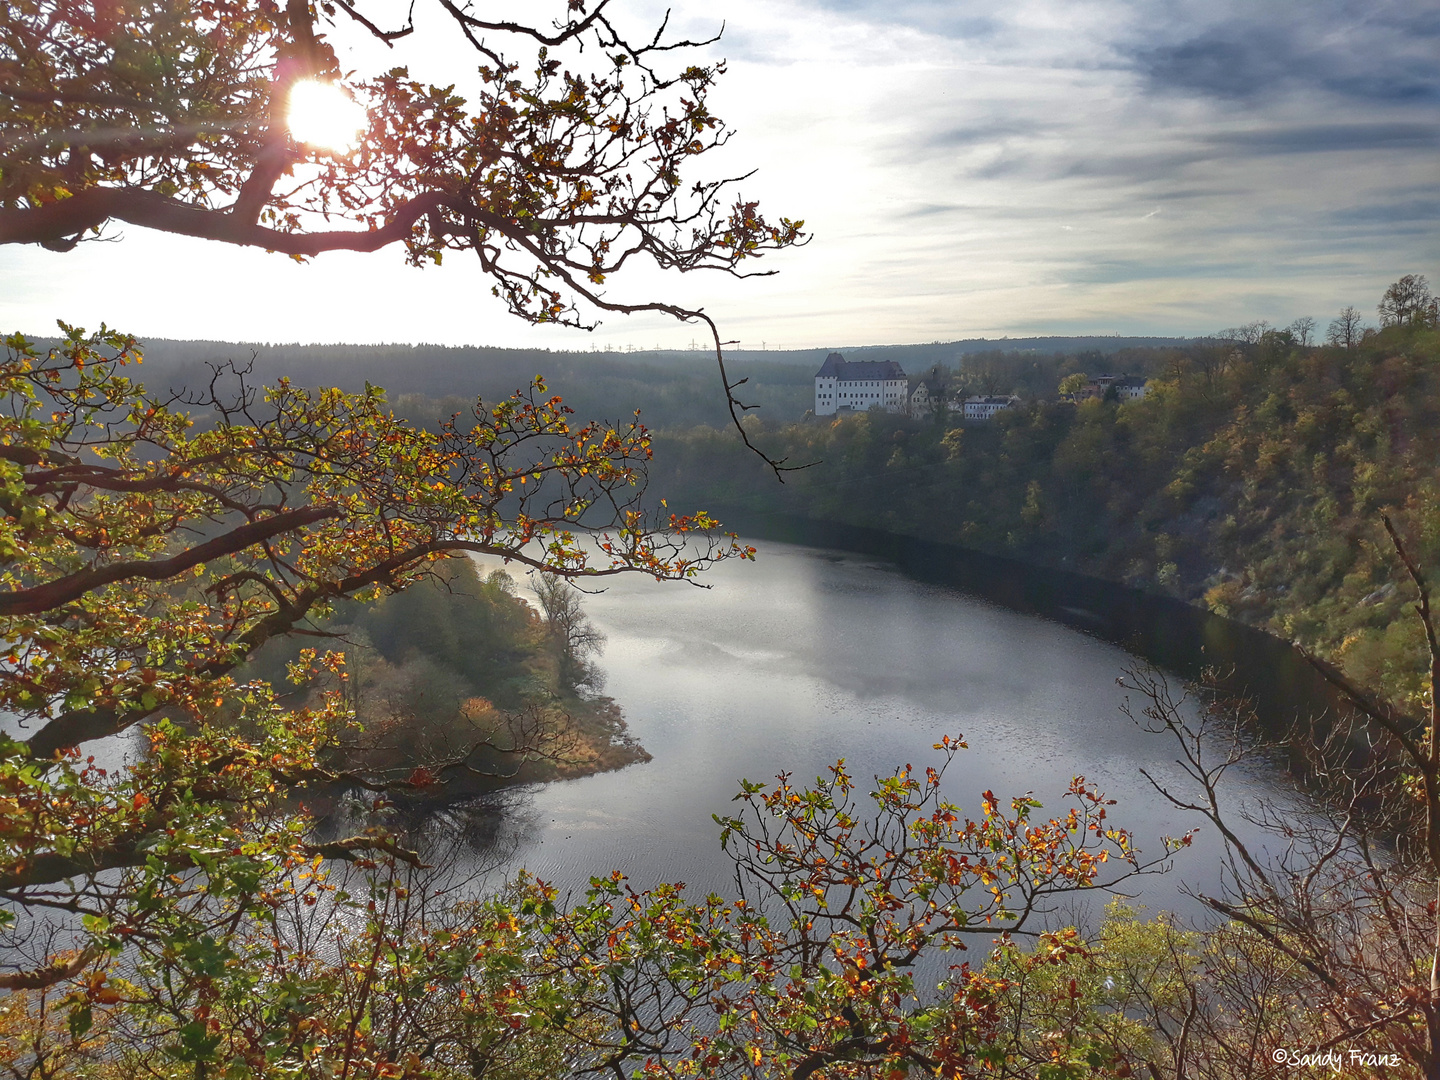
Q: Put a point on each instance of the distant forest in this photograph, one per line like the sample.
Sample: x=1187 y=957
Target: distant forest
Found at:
x=672 y=389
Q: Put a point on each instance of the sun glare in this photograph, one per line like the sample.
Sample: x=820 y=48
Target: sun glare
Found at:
x=321 y=115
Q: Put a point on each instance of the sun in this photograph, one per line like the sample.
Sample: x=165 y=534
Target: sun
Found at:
x=322 y=115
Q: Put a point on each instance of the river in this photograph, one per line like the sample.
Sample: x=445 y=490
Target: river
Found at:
x=806 y=656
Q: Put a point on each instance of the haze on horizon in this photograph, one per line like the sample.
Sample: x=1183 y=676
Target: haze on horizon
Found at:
x=1122 y=166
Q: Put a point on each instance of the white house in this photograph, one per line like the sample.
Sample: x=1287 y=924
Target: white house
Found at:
x=1131 y=387
x=984 y=407
x=845 y=386
x=1127 y=387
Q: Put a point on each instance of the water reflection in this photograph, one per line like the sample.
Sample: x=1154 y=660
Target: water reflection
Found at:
x=808 y=656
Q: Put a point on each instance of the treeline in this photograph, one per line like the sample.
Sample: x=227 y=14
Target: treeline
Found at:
x=679 y=389
x=669 y=388
x=1029 y=374
x=1251 y=479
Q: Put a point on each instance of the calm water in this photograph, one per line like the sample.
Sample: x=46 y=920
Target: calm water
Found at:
x=807 y=656
x=799 y=659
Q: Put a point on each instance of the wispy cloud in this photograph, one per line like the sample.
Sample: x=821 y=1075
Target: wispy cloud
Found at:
x=967 y=168
x=1372 y=53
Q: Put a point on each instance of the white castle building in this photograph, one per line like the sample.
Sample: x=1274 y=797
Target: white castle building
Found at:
x=845 y=386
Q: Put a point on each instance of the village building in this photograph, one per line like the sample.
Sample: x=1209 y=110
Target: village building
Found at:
x=1131 y=387
x=985 y=406
x=928 y=392
x=1127 y=387
x=853 y=386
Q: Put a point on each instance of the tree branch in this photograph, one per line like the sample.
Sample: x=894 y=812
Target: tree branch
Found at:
x=350 y=848
x=63 y=221
x=64 y=590
x=57 y=971
x=1397 y=725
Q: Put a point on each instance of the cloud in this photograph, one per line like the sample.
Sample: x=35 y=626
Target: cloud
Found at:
x=1214 y=65
x=1329 y=138
x=1212 y=162
x=1132 y=270
x=986 y=132
x=1391 y=221
x=945 y=18
x=931 y=210
x=1375 y=53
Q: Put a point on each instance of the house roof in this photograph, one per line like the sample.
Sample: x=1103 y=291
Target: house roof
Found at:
x=837 y=367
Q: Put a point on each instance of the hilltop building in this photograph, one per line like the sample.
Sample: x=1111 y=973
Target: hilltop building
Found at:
x=1127 y=387
x=1131 y=387
x=929 y=392
x=986 y=406
x=854 y=386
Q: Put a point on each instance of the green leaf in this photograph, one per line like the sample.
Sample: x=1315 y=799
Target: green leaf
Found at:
x=80 y=1020
x=196 y=1043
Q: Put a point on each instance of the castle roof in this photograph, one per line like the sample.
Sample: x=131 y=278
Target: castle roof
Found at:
x=837 y=367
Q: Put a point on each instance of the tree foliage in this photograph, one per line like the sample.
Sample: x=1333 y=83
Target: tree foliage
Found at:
x=459 y=675
x=146 y=558
x=172 y=115
x=1347 y=329
x=817 y=969
x=566 y=158
x=1408 y=301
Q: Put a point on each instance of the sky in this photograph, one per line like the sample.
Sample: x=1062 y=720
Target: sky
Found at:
x=967 y=169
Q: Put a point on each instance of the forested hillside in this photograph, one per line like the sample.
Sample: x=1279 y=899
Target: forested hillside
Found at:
x=1251 y=480
x=427 y=381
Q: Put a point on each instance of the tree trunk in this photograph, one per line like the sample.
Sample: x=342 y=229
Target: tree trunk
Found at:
x=1431 y=1064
